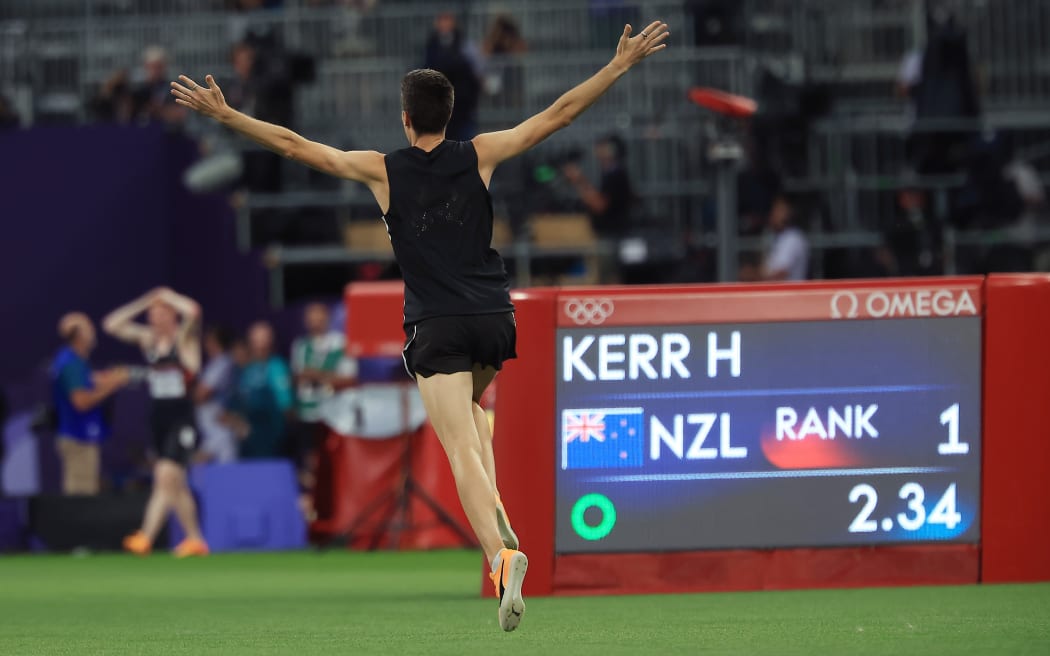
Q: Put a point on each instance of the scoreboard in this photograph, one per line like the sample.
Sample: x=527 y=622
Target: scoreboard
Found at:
x=766 y=435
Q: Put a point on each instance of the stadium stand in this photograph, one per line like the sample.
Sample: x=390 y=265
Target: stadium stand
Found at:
x=824 y=72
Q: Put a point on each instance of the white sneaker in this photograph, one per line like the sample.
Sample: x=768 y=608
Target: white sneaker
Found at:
x=507 y=580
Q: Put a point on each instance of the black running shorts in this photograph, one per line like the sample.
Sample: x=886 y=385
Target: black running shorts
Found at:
x=447 y=345
x=175 y=435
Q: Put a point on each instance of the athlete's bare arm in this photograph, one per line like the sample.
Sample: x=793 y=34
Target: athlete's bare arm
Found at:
x=189 y=340
x=366 y=166
x=120 y=323
x=495 y=147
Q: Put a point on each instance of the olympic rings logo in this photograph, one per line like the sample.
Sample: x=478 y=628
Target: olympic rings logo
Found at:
x=592 y=311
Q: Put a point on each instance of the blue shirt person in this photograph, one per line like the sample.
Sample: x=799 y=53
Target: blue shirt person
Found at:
x=77 y=394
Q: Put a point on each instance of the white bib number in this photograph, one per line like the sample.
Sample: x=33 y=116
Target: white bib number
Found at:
x=167 y=384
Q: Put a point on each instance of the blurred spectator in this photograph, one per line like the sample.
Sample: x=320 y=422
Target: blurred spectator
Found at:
x=77 y=395
x=240 y=93
x=218 y=442
x=252 y=22
x=262 y=398
x=910 y=244
x=1030 y=187
x=988 y=199
x=152 y=99
x=940 y=84
x=1000 y=193
x=264 y=91
x=610 y=204
x=788 y=255
x=321 y=368
x=449 y=52
x=114 y=102
x=8 y=117
x=717 y=22
x=319 y=363
x=757 y=187
x=607 y=18
x=504 y=77
x=345 y=29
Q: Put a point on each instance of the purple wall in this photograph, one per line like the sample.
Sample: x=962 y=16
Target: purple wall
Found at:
x=95 y=216
x=92 y=217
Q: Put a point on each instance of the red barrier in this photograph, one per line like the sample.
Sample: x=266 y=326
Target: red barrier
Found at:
x=364 y=479
x=374 y=313
x=1016 y=510
x=772 y=569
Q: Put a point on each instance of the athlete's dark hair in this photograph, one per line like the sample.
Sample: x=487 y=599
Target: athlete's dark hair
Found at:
x=427 y=97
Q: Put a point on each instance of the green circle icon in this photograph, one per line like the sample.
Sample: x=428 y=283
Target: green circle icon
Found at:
x=604 y=527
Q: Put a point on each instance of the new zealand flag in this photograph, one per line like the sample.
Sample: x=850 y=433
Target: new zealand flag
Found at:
x=602 y=438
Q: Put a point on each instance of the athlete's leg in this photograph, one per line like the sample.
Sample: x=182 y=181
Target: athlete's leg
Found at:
x=186 y=508
x=448 y=402
x=482 y=376
x=166 y=477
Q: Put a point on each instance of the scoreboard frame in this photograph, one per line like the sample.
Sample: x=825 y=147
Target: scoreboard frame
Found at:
x=1015 y=447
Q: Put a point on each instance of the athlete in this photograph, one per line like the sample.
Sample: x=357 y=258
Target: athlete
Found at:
x=459 y=320
x=170 y=342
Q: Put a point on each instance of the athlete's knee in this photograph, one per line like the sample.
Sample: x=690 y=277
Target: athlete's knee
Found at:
x=167 y=478
x=461 y=453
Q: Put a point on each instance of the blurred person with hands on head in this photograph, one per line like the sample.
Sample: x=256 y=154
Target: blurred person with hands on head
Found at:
x=170 y=343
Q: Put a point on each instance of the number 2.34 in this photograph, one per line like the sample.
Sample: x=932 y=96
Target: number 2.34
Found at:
x=913 y=518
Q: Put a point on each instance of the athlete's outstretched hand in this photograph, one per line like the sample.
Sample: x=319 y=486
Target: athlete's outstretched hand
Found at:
x=206 y=100
x=633 y=49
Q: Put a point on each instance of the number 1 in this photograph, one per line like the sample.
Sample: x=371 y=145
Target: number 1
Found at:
x=953 y=446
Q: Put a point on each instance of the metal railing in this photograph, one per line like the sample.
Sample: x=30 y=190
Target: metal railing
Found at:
x=365 y=92
x=859 y=162
x=75 y=44
x=859 y=41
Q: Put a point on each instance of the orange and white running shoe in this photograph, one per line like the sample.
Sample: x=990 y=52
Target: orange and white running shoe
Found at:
x=507 y=580
x=191 y=547
x=510 y=538
x=138 y=544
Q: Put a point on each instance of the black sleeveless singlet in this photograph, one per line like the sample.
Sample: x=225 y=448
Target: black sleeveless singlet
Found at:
x=440 y=226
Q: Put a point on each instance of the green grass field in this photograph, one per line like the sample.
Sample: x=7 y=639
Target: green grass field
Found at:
x=427 y=603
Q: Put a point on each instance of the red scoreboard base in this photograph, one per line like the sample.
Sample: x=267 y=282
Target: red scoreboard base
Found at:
x=773 y=569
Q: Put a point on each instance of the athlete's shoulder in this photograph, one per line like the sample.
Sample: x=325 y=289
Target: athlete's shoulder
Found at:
x=465 y=147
